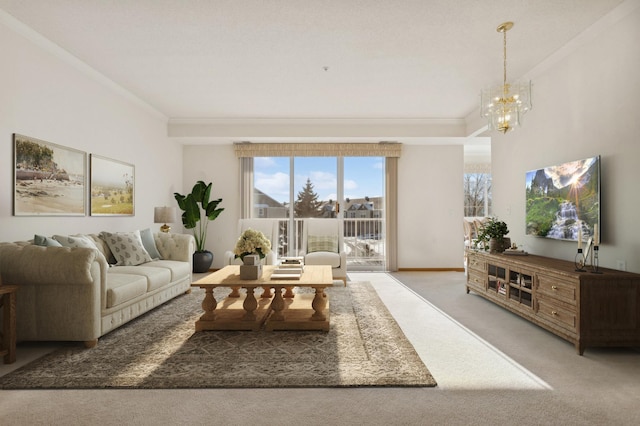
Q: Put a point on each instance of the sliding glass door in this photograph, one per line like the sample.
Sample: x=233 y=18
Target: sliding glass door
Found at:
x=347 y=188
x=363 y=212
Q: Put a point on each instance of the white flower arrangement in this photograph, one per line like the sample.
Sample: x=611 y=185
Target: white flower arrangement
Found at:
x=252 y=242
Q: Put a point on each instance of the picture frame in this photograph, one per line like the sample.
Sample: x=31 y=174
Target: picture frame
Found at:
x=49 y=179
x=112 y=189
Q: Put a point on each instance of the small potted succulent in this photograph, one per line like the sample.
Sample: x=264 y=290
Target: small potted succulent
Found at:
x=492 y=235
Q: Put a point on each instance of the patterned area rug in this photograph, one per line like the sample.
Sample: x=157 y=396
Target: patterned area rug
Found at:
x=161 y=350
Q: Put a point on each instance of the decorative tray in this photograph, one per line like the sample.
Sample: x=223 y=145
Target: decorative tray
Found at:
x=515 y=252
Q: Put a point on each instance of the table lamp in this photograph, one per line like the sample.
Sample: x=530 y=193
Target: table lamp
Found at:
x=165 y=215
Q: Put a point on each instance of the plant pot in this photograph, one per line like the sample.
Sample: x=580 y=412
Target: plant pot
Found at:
x=496 y=246
x=202 y=261
x=499 y=246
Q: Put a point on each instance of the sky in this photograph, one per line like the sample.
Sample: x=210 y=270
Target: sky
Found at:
x=107 y=172
x=364 y=176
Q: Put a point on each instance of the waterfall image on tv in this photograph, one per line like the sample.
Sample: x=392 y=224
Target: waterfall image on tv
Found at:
x=564 y=200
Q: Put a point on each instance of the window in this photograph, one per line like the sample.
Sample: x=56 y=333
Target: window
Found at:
x=280 y=180
x=477 y=194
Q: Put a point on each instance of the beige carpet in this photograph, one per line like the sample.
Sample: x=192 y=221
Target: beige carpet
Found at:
x=364 y=347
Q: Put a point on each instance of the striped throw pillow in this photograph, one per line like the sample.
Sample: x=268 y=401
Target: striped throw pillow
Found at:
x=322 y=243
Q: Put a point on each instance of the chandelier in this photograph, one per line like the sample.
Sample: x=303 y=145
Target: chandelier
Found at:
x=503 y=106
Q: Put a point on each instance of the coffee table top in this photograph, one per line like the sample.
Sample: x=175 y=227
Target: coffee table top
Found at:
x=313 y=276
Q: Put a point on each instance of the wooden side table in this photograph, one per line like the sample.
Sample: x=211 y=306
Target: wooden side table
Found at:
x=8 y=332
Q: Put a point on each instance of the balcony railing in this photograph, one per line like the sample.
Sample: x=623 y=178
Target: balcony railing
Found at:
x=364 y=242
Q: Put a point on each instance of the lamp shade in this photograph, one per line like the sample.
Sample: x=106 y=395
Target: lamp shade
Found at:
x=165 y=215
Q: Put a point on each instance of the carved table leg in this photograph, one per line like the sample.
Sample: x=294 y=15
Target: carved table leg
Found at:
x=250 y=304
x=277 y=304
x=235 y=291
x=318 y=305
x=209 y=305
x=266 y=292
x=288 y=292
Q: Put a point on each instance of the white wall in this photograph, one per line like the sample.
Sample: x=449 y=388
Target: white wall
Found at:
x=430 y=207
x=219 y=165
x=586 y=104
x=43 y=96
x=430 y=202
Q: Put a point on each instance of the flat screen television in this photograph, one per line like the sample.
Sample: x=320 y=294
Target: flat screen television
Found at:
x=564 y=200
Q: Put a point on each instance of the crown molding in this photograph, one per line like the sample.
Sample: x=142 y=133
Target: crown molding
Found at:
x=376 y=129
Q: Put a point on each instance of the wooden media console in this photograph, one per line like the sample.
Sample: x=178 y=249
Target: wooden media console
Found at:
x=585 y=308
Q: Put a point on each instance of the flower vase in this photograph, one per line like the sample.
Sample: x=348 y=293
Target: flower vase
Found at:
x=251 y=269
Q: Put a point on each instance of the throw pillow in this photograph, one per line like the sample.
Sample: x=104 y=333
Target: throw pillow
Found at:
x=322 y=243
x=75 y=241
x=149 y=243
x=41 y=240
x=127 y=248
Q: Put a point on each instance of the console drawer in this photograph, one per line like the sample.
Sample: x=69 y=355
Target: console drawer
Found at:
x=557 y=287
x=562 y=316
x=474 y=263
x=477 y=279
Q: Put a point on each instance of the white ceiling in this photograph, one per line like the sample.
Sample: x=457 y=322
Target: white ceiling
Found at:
x=308 y=59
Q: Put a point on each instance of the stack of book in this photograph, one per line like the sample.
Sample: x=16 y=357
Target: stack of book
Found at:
x=290 y=268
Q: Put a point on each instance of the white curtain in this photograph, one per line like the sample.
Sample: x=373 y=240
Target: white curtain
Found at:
x=391 y=212
x=246 y=187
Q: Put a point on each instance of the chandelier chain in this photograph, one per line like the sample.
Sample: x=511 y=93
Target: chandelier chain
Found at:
x=504 y=48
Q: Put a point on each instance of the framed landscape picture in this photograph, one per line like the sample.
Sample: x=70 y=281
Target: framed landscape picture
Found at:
x=112 y=187
x=49 y=179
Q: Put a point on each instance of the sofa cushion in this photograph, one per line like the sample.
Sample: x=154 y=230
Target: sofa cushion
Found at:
x=124 y=287
x=323 y=258
x=156 y=277
x=127 y=248
x=178 y=269
x=149 y=243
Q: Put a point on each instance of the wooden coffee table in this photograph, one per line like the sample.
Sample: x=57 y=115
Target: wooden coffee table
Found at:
x=277 y=312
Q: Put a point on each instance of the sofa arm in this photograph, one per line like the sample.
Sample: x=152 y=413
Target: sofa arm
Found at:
x=229 y=256
x=31 y=264
x=175 y=246
x=60 y=290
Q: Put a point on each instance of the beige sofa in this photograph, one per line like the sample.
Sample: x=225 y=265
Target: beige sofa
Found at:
x=74 y=294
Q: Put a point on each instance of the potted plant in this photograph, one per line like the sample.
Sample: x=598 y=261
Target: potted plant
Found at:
x=194 y=206
x=252 y=242
x=492 y=235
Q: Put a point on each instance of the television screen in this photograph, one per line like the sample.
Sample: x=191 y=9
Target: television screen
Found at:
x=563 y=201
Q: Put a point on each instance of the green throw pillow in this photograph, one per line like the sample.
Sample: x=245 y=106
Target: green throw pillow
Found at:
x=149 y=243
x=41 y=240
